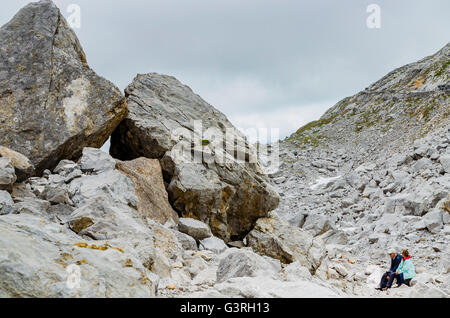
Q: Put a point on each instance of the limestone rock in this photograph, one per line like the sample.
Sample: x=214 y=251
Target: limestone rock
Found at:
x=7 y=174
x=215 y=187
x=277 y=239
x=213 y=244
x=53 y=104
x=53 y=261
x=434 y=220
x=6 y=203
x=95 y=161
x=268 y=287
x=186 y=241
x=198 y=230
x=149 y=187
x=445 y=162
x=110 y=184
x=100 y=219
x=245 y=263
x=22 y=165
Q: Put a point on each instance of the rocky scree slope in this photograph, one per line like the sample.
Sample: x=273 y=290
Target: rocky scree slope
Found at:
x=89 y=225
x=373 y=173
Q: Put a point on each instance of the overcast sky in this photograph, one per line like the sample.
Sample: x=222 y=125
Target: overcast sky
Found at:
x=264 y=63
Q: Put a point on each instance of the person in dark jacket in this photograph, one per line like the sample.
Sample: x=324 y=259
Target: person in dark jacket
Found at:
x=388 y=277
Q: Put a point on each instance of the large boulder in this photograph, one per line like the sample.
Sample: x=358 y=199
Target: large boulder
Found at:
x=149 y=187
x=275 y=238
x=52 y=104
x=222 y=184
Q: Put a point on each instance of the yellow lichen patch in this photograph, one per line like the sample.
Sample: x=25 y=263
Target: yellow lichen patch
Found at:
x=118 y=249
x=81 y=262
x=98 y=247
x=144 y=279
x=64 y=258
x=446 y=206
x=82 y=245
x=418 y=83
x=128 y=263
x=171 y=286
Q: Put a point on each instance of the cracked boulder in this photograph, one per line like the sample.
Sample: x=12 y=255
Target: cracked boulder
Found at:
x=212 y=172
x=52 y=104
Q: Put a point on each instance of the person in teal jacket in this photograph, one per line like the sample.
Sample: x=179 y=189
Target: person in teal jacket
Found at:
x=405 y=271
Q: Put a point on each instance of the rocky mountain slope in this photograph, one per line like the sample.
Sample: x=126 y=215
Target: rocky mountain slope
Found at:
x=373 y=173
x=178 y=211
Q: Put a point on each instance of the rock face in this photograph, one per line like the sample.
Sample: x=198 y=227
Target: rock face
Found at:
x=149 y=188
x=167 y=121
x=279 y=240
x=52 y=104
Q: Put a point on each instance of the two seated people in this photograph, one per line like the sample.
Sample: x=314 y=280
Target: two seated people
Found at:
x=402 y=270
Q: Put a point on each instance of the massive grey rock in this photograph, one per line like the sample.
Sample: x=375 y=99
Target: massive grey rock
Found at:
x=217 y=188
x=52 y=104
